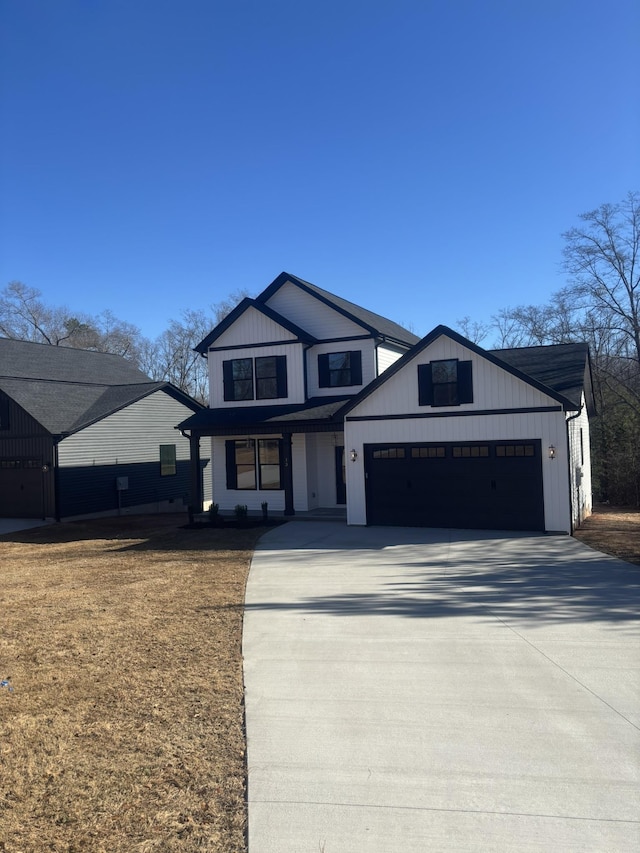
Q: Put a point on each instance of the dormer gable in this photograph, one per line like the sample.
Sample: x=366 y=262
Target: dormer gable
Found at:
x=253 y=322
x=327 y=315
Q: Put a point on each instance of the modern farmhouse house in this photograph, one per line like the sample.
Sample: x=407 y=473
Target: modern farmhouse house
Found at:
x=316 y=402
x=86 y=433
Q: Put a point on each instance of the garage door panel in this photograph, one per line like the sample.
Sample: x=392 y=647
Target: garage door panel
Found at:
x=491 y=491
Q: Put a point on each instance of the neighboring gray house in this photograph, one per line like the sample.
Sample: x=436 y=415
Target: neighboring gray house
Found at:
x=318 y=403
x=85 y=433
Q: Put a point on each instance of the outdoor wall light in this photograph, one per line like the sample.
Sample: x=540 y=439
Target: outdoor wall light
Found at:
x=552 y=452
x=353 y=455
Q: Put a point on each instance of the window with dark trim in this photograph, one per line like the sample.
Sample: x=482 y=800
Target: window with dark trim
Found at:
x=263 y=378
x=168 y=464
x=446 y=382
x=339 y=369
x=254 y=464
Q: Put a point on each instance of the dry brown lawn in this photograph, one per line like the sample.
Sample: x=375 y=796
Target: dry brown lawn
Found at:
x=614 y=530
x=121 y=639
x=123 y=731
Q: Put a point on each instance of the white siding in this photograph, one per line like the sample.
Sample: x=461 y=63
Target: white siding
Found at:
x=295 y=374
x=325 y=465
x=580 y=456
x=493 y=387
x=367 y=349
x=253 y=327
x=228 y=499
x=311 y=314
x=549 y=427
x=386 y=357
x=314 y=484
x=131 y=435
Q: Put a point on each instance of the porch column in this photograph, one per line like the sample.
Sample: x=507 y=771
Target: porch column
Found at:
x=195 y=491
x=287 y=472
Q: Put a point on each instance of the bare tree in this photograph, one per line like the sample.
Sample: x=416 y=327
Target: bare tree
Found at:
x=600 y=304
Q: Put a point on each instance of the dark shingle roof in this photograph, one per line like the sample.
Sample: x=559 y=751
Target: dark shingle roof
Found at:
x=373 y=322
x=66 y=389
x=562 y=367
x=250 y=417
x=65 y=364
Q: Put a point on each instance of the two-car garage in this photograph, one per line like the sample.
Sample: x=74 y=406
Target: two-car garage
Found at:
x=486 y=485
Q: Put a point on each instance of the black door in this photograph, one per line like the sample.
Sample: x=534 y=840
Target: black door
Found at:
x=490 y=485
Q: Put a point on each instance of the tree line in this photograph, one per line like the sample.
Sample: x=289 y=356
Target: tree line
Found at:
x=599 y=304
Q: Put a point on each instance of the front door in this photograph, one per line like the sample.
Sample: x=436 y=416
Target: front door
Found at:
x=341 y=478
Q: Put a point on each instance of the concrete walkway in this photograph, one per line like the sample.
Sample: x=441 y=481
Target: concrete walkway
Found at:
x=427 y=690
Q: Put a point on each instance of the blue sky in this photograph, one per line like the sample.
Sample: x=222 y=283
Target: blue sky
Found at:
x=419 y=158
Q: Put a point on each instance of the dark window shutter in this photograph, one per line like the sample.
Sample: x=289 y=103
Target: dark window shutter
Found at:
x=425 y=385
x=323 y=370
x=227 y=379
x=465 y=382
x=355 y=358
x=281 y=375
x=232 y=472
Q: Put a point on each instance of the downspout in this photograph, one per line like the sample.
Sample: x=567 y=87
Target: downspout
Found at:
x=571 y=504
x=56 y=479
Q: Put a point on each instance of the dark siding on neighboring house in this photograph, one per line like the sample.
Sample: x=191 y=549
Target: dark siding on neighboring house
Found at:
x=92 y=488
x=26 y=448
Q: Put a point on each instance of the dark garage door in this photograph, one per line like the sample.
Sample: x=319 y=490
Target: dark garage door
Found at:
x=491 y=485
x=21 y=488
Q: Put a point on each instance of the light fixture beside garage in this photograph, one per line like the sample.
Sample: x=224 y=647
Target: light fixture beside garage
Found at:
x=353 y=455
x=552 y=452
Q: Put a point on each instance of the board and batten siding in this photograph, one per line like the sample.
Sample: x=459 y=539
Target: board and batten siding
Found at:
x=493 y=387
x=548 y=427
x=255 y=327
x=312 y=314
x=366 y=348
x=295 y=374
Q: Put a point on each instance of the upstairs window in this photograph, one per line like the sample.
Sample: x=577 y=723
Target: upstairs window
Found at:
x=340 y=369
x=263 y=378
x=447 y=382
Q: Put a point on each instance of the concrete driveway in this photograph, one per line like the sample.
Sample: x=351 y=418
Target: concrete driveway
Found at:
x=422 y=690
x=11 y=525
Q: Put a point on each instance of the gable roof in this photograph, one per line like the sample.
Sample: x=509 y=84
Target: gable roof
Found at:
x=66 y=389
x=566 y=368
x=557 y=377
x=240 y=309
x=374 y=323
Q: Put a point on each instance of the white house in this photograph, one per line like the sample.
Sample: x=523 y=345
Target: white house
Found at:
x=316 y=402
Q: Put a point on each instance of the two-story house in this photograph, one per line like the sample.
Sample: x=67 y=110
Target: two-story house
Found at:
x=316 y=402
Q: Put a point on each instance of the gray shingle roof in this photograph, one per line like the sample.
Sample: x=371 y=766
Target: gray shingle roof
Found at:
x=65 y=389
x=375 y=322
x=562 y=367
